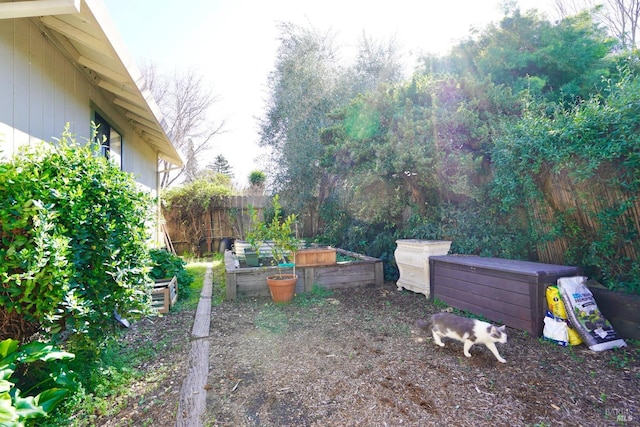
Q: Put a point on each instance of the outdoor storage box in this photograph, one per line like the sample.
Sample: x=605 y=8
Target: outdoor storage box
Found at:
x=508 y=292
x=412 y=259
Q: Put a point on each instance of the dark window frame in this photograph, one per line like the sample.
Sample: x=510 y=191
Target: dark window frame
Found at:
x=109 y=138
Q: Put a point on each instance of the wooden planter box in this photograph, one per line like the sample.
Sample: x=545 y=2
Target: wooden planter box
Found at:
x=253 y=281
x=315 y=257
x=165 y=294
x=621 y=310
x=508 y=292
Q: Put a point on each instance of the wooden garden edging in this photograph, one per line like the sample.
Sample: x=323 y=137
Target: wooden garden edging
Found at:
x=193 y=394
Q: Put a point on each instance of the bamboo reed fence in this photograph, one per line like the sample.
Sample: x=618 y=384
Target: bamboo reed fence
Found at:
x=581 y=202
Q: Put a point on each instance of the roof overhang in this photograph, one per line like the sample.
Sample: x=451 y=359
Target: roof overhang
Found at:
x=85 y=33
x=28 y=9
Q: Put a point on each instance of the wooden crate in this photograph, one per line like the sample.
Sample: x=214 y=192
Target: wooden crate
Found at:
x=506 y=291
x=164 y=294
x=314 y=257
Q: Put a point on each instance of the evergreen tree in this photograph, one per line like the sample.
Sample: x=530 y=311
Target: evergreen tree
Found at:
x=221 y=165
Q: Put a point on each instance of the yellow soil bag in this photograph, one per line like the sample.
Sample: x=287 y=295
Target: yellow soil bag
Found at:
x=556 y=306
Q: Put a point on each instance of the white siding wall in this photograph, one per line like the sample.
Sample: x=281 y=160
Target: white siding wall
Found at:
x=41 y=90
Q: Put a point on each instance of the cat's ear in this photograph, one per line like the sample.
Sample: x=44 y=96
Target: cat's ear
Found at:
x=502 y=328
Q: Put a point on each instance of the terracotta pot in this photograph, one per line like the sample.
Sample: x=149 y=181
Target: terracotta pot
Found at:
x=282 y=287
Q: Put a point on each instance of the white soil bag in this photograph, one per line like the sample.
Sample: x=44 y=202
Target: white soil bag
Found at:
x=583 y=312
x=555 y=329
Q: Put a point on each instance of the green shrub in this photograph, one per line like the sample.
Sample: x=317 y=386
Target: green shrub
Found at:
x=74 y=238
x=187 y=204
x=57 y=381
x=166 y=265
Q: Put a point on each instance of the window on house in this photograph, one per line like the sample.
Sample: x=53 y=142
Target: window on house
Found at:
x=110 y=140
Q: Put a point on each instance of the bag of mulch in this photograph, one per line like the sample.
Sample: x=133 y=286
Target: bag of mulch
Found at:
x=555 y=329
x=556 y=306
x=584 y=315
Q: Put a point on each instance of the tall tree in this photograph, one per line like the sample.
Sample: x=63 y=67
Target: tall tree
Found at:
x=303 y=89
x=622 y=18
x=376 y=62
x=527 y=52
x=184 y=102
x=221 y=165
x=308 y=82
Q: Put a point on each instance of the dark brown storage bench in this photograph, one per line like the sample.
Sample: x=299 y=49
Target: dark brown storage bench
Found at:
x=508 y=292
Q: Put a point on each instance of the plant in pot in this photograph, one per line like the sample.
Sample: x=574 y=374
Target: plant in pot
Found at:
x=247 y=247
x=279 y=236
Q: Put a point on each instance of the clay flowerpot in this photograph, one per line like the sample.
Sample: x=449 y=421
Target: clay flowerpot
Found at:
x=282 y=287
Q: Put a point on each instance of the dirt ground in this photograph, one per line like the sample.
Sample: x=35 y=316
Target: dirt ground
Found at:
x=353 y=358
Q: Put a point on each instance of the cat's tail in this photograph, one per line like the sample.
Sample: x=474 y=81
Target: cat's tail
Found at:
x=424 y=324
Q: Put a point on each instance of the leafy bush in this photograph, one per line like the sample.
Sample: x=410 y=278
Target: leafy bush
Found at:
x=166 y=265
x=74 y=238
x=58 y=381
x=187 y=204
x=473 y=229
x=590 y=152
x=257 y=178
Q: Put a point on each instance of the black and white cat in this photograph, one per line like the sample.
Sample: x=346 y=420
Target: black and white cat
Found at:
x=468 y=331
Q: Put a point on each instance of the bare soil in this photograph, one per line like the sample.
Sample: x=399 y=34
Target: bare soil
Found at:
x=353 y=358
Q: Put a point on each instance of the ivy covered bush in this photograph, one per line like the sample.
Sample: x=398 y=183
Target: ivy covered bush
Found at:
x=189 y=203
x=73 y=241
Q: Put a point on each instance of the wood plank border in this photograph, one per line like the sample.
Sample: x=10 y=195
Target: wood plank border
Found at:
x=193 y=394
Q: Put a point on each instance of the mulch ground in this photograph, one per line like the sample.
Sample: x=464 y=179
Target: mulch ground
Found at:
x=353 y=358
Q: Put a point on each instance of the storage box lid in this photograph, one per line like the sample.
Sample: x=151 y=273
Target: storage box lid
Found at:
x=509 y=265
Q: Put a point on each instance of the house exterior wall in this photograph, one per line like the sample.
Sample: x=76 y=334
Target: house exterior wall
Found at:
x=41 y=90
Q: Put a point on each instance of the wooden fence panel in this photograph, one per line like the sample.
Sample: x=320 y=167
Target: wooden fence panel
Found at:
x=226 y=218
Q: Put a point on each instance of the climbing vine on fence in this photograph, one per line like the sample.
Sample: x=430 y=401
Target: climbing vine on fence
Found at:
x=579 y=168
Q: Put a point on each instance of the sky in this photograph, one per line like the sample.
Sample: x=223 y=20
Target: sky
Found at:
x=232 y=44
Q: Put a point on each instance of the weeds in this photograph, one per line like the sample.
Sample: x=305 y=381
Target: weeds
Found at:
x=317 y=295
x=623 y=358
x=272 y=319
x=439 y=304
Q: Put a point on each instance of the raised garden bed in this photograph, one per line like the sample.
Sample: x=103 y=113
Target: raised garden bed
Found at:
x=506 y=291
x=621 y=310
x=252 y=281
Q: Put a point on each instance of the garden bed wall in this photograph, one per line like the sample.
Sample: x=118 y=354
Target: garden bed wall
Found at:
x=509 y=292
x=364 y=270
x=621 y=310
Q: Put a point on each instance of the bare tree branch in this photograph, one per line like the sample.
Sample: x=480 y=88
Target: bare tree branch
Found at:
x=619 y=16
x=185 y=103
